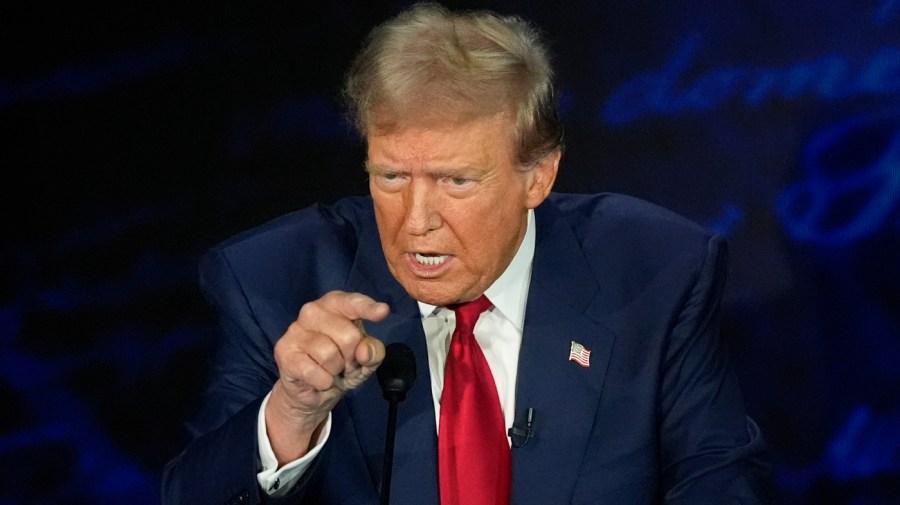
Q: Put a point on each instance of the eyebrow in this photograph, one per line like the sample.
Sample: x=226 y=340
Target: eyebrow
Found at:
x=375 y=168
x=468 y=171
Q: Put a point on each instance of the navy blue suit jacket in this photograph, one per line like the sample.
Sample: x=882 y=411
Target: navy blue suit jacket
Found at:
x=657 y=417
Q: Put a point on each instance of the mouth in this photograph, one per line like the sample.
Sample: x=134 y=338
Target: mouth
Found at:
x=431 y=259
x=428 y=265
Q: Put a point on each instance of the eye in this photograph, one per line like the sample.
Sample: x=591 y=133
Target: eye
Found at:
x=458 y=185
x=389 y=176
x=388 y=180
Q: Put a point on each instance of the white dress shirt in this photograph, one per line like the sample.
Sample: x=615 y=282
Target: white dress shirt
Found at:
x=498 y=332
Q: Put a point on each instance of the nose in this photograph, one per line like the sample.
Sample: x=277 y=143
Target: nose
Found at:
x=422 y=215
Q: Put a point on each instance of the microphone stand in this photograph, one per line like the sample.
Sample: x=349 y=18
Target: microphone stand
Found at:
x=389 y=451
x=396 y=375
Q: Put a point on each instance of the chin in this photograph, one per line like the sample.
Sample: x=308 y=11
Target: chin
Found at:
x=431 y=298
x=430 y=294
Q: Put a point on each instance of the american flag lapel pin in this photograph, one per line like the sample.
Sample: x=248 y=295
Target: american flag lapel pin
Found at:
x=580 y=354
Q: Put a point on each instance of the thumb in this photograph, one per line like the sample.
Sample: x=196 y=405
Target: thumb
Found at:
x=370 y=352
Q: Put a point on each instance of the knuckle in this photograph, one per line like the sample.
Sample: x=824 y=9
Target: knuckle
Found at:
x=279 y=355
x=289 y=342
x=348 y=336
x=317 y=378
x=308 y=310
x=281 y=350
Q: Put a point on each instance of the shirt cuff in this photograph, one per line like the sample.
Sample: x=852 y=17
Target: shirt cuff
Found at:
x=278 y=481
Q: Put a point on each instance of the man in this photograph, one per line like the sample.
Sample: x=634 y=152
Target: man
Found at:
x=600 y=327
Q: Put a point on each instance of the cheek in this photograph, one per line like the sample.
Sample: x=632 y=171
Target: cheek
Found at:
x=388 y=212
x=485 y=235
x=495 y=233
x=385 y=232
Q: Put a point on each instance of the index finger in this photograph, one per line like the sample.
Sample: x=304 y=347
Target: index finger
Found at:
x=355 y=306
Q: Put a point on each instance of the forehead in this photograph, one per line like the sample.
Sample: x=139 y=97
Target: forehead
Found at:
x=477 y=141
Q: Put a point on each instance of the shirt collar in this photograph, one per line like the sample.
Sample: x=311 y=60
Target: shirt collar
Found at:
x=510 y=291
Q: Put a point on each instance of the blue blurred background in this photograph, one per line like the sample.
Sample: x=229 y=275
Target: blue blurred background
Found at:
x=136 y=136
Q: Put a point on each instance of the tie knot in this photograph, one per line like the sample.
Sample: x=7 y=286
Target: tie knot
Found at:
x=467 y=313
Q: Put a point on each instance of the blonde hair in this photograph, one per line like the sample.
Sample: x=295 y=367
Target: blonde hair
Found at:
x=429 y=65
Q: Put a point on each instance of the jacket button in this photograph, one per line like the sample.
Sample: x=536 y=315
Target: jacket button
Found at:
x=242 y=497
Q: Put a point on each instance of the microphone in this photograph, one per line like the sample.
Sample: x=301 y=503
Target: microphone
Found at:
x=520 y=436
x=396 y=375
x=397 y=372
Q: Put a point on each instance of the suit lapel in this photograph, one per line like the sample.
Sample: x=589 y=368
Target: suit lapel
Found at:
x=414 y=472
x=563 y=394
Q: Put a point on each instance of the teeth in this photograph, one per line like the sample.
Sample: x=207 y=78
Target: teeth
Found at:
x=430 y=260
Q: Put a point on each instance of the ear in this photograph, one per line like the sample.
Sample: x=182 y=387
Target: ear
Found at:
x=542 y=178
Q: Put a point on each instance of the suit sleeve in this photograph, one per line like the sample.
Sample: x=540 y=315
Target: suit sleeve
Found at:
x=256 y=283
x=711 y=451
x=221 y=462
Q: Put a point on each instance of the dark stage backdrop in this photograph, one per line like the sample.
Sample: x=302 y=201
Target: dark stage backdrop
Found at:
x=135 y=136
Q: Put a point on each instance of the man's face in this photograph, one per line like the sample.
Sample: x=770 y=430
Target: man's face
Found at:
x=451 y=205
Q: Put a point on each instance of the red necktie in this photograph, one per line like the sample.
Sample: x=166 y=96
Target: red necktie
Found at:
x=473 y=451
